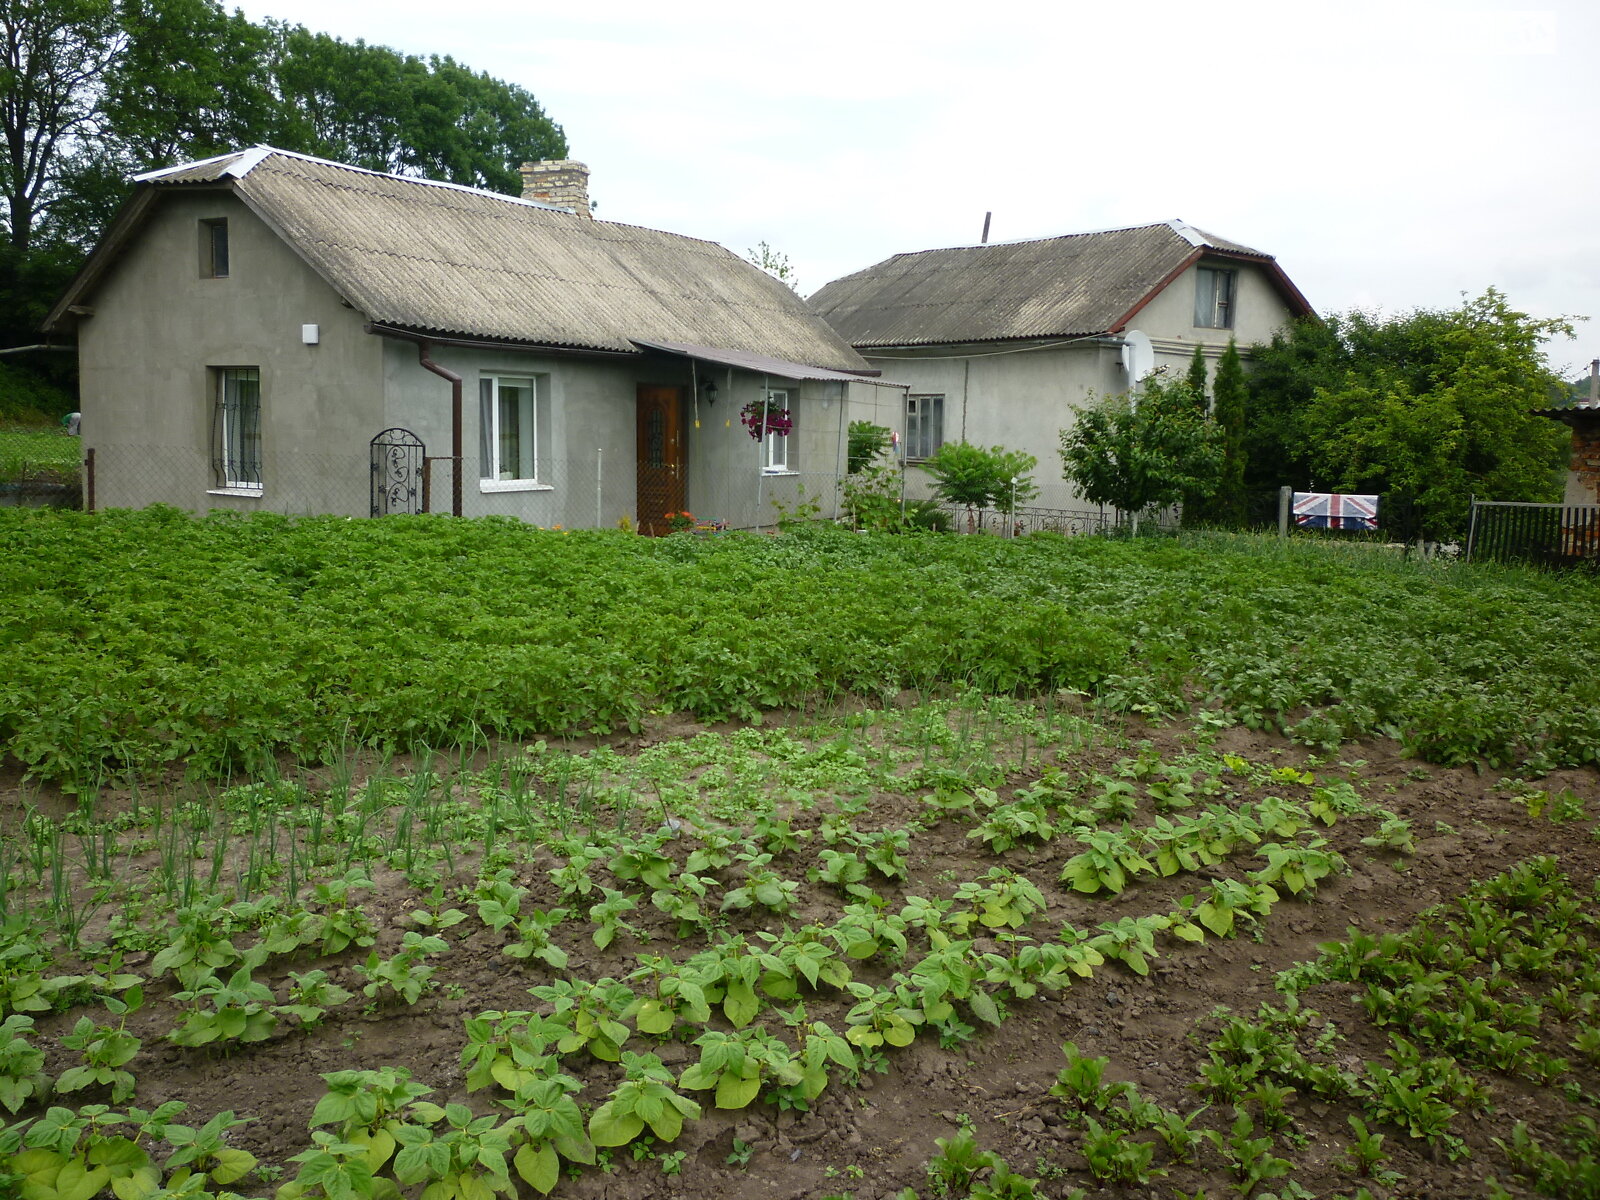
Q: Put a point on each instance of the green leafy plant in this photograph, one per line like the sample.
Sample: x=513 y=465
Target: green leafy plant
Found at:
x=1107 y=860
x=105 y=1049
x=1115 y=1157
x=406 y=974
x=739 y=1064
x=644 y=1099
x=238 y=1009
x=21 y=1063
x=590 y=1014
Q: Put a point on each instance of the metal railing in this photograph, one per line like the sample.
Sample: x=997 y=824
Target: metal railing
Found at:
x=1551 y=535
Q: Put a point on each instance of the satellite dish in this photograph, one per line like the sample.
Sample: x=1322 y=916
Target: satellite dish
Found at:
x=1138 y=356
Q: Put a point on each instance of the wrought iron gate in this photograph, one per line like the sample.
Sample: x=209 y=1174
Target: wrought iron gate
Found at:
x=397 y=456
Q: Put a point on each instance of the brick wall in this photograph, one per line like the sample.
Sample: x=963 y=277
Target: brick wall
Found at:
x=1583 y=478
x=561 y=181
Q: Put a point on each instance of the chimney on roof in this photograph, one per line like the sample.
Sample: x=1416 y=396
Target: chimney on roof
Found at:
x=560 y=181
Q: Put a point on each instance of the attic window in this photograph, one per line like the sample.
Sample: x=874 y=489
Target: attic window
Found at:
x=1213 y=298
x=214 y=248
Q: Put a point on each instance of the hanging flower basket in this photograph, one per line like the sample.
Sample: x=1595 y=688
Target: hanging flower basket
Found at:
x=761 y=419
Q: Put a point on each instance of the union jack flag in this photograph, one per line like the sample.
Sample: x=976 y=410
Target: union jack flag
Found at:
x=1330 y=510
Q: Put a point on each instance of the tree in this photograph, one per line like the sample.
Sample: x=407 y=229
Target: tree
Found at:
x=1138 y=452
x=1229 y=394
x=864 y=441
x=973 y=477
x=1196 y=378
x=1427 y=409
x=53 y=54
x=92 y=91
x=774 y=263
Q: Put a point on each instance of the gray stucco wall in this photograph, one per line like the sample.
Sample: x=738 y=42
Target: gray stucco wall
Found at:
x=586 y=468
x=728 y=476
x=159 y=329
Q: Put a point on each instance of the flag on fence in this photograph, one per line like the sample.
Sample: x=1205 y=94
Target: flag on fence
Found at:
x=1330 y=510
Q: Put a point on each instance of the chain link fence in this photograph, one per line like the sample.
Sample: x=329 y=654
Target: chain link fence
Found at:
x=40 y=467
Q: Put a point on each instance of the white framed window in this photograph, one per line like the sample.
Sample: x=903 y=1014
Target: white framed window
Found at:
x=1213 y=297
x=512 y=430
x=924 y=425
x=775 y=447
x=236 y=430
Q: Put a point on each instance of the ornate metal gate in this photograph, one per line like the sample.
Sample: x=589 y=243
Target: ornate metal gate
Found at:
x=396 y=472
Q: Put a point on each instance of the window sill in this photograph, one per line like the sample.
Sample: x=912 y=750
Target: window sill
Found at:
x=486 y=486
x=775 y=471
x=242 y=489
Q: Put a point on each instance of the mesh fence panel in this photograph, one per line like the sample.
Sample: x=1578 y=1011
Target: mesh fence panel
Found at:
x=598 y=490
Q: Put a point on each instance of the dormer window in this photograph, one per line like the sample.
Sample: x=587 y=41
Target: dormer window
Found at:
x=214 y=248
x=1213 y=298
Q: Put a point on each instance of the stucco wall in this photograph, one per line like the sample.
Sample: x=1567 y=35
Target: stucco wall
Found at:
x=159 y=327
x=1020 y=399
x=586 y=466
x=1021 y=396
x=728 y=478
x=1258 y=312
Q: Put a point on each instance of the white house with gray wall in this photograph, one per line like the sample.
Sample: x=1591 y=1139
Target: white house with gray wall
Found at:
x=1002 y=343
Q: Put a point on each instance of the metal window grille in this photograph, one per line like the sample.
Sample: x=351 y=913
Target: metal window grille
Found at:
x=236 y=428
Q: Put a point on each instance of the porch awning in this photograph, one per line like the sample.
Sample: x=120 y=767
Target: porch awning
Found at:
x=760 y=364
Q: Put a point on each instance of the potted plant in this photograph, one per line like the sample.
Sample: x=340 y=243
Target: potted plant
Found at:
x=763 y=417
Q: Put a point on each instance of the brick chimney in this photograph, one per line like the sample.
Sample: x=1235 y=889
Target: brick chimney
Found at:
x=559 y=181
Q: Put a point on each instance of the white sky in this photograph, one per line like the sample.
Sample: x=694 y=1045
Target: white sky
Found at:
x=1391 y=155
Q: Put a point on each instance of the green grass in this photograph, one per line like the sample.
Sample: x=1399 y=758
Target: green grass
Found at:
x=38 y=455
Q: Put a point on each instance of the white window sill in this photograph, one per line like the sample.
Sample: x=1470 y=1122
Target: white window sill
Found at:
x=513 y=485
x=241 y=489
x=777 y=471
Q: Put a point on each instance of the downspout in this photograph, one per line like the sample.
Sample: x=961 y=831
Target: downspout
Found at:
x=455 y=423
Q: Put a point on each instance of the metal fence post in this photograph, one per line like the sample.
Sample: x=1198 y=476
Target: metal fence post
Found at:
x=599 y=488
x=88 y=479
x=1285 y=503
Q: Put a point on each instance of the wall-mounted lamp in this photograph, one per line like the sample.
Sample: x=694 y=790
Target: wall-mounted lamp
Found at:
x=709 y=391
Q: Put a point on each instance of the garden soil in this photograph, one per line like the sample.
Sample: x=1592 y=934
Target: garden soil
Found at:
x=872 y=1140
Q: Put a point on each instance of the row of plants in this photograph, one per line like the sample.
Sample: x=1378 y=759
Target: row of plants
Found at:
x=726 y=999
x=130 y=641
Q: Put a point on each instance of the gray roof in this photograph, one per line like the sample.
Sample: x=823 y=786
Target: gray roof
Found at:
x=454 y=261
x=1084 y=283
x=763 y=364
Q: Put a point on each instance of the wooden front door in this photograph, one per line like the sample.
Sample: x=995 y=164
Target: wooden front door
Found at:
x=663 y=479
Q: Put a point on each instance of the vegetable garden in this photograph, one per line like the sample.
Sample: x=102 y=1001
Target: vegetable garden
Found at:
x=462 y=859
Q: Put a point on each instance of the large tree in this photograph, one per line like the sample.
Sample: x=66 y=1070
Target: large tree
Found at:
x=1427 y=408
x=53 y=58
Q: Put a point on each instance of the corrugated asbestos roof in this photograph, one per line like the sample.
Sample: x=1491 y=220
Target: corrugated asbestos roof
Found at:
x=455 y=261
x=1083 y=283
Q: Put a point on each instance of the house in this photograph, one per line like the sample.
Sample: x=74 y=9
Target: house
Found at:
x=1001 y=343
x=269 y=331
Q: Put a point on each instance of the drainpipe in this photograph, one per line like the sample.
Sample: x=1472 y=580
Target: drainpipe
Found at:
x=455 y=424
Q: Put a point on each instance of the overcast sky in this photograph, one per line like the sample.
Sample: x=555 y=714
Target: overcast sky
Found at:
x=1391 y=155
